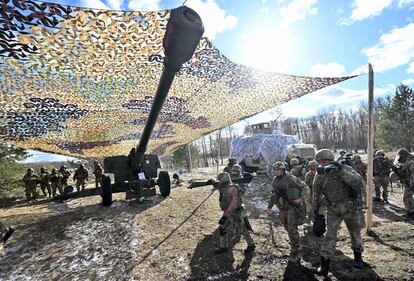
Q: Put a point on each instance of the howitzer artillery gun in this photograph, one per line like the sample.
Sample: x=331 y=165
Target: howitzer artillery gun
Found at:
x=136 y=174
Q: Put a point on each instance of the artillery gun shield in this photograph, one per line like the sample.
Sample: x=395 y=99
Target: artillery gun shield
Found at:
x=164 y=183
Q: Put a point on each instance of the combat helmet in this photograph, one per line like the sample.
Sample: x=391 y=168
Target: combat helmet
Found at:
x=357 y=157
x=224 y=177
x=403 y=152
x=324 y=154
x=294 y=161
x=313 y=164
x=380 y=153
x=43 y=169
x=30 y=170
x=236 y=168
x=279 y=165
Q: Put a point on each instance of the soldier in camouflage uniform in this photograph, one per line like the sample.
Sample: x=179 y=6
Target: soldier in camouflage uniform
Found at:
x=296 y=169
x=80 y=177
x=342 y=156
x=382 y=169
x=44 y=181
x=340 y=186
x=309 y=177
x=65 y=175
x=230 y=203
x=56 y=182
x=407 y=161
x=232 y=162
x=98 y=175
x=289 y=194
x=30 y=180
x=359 y=166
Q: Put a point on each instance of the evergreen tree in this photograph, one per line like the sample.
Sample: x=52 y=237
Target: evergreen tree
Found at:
x=396 y=124
x=11 y=171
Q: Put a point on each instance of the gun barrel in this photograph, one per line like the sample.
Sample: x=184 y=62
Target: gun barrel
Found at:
x=184 y=30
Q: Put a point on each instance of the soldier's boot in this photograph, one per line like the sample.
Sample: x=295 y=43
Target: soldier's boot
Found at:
x=409 y=216
x=358 y=262
x=221 y=250
x=249 y=250
x=323 y=268
x=8 y=234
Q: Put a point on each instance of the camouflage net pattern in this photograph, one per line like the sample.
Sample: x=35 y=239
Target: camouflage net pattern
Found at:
x=80 y=82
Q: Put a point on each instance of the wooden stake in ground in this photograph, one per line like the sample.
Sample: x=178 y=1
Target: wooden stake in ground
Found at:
x=370 y=145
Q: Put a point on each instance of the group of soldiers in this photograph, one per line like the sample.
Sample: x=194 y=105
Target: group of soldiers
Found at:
x=311 y=191
x=57 y=180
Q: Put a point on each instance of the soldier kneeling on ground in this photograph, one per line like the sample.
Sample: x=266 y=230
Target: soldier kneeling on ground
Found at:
x=231 y=205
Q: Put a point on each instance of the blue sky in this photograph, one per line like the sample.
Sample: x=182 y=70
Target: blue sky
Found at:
x=306 y=37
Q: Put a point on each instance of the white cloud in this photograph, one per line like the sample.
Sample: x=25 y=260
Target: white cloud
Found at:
x=410 y=68
x=409 y=81
x=214 y=18
x=336 y=95
x=298 y=10
x=406 y=3
x=144 y=5
x=93 y=4
x=115 y=4
x=363 y=9
x=331 y=69
x=394 y=49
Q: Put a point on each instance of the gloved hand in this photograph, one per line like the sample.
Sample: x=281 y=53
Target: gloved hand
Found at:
x=222 y=220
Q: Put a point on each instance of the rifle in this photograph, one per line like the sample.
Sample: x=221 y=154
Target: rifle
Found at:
x=398 y=170
x=282 y=194
x=247 y=178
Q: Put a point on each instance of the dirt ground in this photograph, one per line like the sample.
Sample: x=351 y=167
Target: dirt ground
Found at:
x=173 y=239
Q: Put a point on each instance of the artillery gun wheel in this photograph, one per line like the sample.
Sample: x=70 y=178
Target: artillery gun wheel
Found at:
x=164 y=183
x=106 y=191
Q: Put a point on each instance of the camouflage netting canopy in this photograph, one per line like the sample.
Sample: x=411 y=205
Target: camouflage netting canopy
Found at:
x=80 y=82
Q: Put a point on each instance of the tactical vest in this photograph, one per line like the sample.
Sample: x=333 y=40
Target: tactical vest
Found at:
x=44 y=178
x=309 y=179
x=381 y=168
x=287 y=186
x=226 y=198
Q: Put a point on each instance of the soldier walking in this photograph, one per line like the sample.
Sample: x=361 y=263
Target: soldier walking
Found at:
x=80 y=177
x=98 y=175
x=309 y=177
x=289 y=194
x=30 y=180
x=56 y=182
x=382 y=169
x=340 y=188
x=65 y=176
x=44 y=182
x=407 y=161
x=230 y=203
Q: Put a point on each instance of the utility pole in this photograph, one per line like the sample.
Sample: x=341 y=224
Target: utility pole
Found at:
x=370 y=145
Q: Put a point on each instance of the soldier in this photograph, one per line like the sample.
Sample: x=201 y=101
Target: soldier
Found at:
x=44 y=181
x=98 y=175
x=382 y=169
x=56 y=182
x=236 y=173
x=232 y=162
x=296 y=169
x=309 y=177
x=81 y=175
x=340 y=188
x=65 y=175
x=407 y=161
x=359 y=166
x=289 y=194
x=230 y=204
x=30 y=180
x=341 y=157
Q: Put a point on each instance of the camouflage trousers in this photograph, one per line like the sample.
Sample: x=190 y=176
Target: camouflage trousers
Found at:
x=30 y=191
x=237 y=226
x=80 y=183
x=44 y=187
x=381 y=181
x=290 y=221
x=408 y=199
x=56 y=186
x=347 y=212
